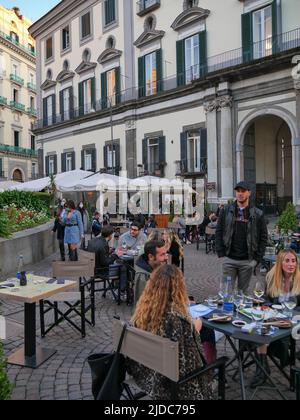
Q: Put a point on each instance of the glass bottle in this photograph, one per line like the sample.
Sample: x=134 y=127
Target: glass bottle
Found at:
x=20 y=266
x=228 y=305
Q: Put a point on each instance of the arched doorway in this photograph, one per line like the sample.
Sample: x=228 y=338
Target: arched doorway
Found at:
x=268 y=162
x=17 y=175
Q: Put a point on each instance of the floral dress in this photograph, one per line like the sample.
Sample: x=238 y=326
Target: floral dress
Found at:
x=177 y=328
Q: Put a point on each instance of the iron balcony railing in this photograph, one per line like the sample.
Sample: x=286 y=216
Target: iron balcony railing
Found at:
x=17 y=105
x=155 y=169
x=2 y=174
x=32 y=111
x=17 y=43
x=18 y=150
x=111 y=171
x=146 y=6
x=31 y=86
x=17 y=79
x=228 y=60
x=3 y=101
x=191 y=166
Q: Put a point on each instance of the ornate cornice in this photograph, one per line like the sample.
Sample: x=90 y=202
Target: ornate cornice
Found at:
x=147 y=37
x=17 y=49
x=65 y=75
x=218 y=103
x=85 y=66
x=190 y=16
x=48 y=84
x=109 y=54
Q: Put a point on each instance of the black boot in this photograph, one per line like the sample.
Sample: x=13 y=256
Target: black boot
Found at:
x=72 y=255
x=76 y=255
x=260 y=377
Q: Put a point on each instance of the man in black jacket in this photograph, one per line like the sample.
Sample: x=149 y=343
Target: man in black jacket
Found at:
x=241 y=237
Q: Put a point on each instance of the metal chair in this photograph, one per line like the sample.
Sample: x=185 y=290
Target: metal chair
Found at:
x=73 y=302
x=296 y=372
x=161 y=355
x=210 y=240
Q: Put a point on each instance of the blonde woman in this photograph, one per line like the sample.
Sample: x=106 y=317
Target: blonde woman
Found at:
x=163 y=310
x=283 y=280
x=173 y=246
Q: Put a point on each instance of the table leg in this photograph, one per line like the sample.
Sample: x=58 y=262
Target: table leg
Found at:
x=238 y=355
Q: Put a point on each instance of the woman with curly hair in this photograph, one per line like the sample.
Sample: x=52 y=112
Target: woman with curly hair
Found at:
x=163 y=310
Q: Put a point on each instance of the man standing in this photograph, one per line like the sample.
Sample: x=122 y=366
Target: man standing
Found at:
x=241 y=237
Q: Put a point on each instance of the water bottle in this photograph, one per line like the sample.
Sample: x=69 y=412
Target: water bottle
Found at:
x=124 y=245
x=20 y=266
x=228 y=305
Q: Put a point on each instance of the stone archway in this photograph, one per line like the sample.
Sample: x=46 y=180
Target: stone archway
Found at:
x=17 y=175
x=291 y=123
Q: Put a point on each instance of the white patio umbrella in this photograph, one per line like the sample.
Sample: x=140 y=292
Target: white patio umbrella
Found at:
x=96 y=182
x=5 y=185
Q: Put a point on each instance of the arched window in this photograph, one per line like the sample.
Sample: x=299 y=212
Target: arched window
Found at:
x=49 y=74
x=17 y=176
x=86 y=55
x=111 y=42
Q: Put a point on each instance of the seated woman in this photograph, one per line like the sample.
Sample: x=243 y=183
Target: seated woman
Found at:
x=163 y=310
x=283 y=280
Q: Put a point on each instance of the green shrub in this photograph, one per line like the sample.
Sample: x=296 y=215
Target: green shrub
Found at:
x=4 y=225
x=288 y=220
x=5 y=387
x=44 y=197
x=22 y=199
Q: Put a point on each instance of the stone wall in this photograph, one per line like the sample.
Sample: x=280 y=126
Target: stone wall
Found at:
x=34 y=244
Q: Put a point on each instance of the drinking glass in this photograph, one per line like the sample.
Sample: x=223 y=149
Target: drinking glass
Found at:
x=238 y=300
x=290 y=303
x=259 y=290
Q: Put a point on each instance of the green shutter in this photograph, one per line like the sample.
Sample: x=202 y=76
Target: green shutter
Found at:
x=80 y=98
x=45 y=112
x=93 y=93
x=47 y=165
x=118 y=84
x=73 y=161
x=63 y=162
x=180 y=51
x=142 y=76
x=145 y=154
x=203 y=139
x=1 y=168
x=275 y=40
x=183 y=151
x=159 y=70
x=61 y=105
x=203 y=53
x=247 y=37
x=104 y=90
x=105 y=156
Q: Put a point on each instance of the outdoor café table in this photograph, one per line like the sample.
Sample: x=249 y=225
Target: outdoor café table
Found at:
x=249 y=342
x=36 y=290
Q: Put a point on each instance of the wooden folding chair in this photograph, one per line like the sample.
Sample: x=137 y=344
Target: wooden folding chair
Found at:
x=161 y=355
x=66 y=303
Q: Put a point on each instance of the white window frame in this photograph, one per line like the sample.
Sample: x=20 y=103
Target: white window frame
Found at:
x=69 y=161
x=88 y=161
x=68 y=43
x=194 y=158
x=262 y=42
x=111 y=157
x=50 y=110
x=153 y=143
x=33 y=169
x=150 y=77
x=111 y=87
x=52 y=56
x=66 y=104
x=193 y=70
x=51 y=165
x=88 y=36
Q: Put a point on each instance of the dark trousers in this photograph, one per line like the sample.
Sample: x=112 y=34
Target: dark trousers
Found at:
x=62 y=249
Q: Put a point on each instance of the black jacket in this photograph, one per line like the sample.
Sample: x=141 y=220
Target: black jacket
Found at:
x=257 y=232
x=101 y=248
x=60 y=229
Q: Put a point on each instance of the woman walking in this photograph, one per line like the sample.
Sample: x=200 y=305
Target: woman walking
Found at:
x=74 y=231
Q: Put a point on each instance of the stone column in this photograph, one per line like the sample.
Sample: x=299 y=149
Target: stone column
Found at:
x=212 y=151
x=225 y=103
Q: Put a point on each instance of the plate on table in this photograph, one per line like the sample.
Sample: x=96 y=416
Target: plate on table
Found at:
x=279 y=323
x=277 y=307
x=221 y=318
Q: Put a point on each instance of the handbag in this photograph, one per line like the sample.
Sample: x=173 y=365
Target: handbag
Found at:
x=108 y=373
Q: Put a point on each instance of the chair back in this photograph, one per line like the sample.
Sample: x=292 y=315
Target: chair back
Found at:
x=156 y=353
x=85 y=256
x=73 y=269
x=210 y=231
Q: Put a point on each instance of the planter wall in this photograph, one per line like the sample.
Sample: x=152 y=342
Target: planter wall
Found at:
x=34 y=244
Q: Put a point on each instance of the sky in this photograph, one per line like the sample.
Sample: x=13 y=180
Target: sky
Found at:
x=32 y=9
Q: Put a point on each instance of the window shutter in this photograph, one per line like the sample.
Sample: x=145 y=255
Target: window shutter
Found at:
x=80 y=98
x=118 y=84
x=71 y=95
x=162 y=149
x=45 y=112
x=63 y=162
x=73 y=161
x=105 y=156
x=180 y=52
x=112 y=9
x=203 y=141
x=145 y=154
x=47 y=165
x=118 y=158
x=247 y=37
x=104 y=90
x=183 y=151
x=203 y=53
x=275 y=40
x=55 y=164
x=61 y=105
x=94 y=160
x=142 y=77
x=82 y=160
x=53 y=109
x=159 y=70
x=93 y=93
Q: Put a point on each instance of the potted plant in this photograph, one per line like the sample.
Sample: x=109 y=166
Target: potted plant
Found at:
x=288 y=220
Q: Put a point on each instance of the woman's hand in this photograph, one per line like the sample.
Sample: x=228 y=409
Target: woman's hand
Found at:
x=197 y=324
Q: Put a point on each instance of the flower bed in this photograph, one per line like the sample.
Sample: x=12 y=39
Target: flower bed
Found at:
x=21 y=219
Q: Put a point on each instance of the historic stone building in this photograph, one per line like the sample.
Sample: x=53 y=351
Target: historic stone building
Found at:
x=196 y=89
x=18 y=157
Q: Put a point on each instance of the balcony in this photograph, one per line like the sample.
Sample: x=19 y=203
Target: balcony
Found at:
x=146 y=6
x=111 y=171
x=155 y=169
x=3 y=101
x=191 y=167
x=31 y=87
x=32 y=111
x=17 y=43
x=17 y=150
x=16 y=79
x=17 y=105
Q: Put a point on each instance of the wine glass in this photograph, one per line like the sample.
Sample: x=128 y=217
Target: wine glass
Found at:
x=290 y=303
x=238 y=300
x=259 y=291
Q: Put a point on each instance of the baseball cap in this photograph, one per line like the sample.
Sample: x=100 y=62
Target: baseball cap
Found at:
x=244 y=185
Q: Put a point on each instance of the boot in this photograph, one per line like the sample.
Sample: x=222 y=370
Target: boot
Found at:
x=72 y=255
x=260 y=377
x=76 y=255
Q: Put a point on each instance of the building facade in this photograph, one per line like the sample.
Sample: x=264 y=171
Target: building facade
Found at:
x=18 y=157
x=191 y=89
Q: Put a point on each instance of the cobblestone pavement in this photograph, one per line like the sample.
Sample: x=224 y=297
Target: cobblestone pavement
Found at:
x=66 y=376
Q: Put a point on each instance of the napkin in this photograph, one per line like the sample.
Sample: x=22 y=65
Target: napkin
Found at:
x=199 y=311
